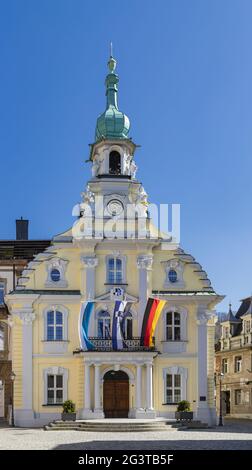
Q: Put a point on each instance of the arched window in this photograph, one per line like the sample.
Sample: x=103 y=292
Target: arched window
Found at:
x=172 y=275
x=54 y=323
x=127 y=326
x=103 y=325
x=114 y=270
x=114 y=163
x=173 y=326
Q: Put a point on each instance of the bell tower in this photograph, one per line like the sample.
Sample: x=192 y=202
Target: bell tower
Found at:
x=112 y=154
x=113 y=166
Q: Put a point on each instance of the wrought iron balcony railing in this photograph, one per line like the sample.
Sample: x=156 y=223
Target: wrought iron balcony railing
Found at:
x=133 y=344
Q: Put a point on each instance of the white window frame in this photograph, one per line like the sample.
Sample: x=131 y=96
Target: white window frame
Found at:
x=225 y=332
x=126 y=320
x=238 y=364
x=54 y=389
x=57 y=308
x=235 y=395
x=183 y=322
x=175 y=265
x=3 y=288
x=2 y=328
x=247 y=326
x=172 y=326
x=224 y=365
x=103 y=316
x=55 y=325
x=176 y=370
x=61 y=266
x=173 y=388
x=123 y=270
x=54 y=370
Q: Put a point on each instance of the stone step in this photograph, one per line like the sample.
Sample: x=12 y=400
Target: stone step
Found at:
x=111 y=426
x=122 y=426
x=107 y=429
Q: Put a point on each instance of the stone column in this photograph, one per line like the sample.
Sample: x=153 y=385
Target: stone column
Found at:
x=149 y=388
x=25 y=416
x=203 y=411
x=86 y=412
x=98 y=413
x=89 y=262
x=139 y=387
x=139 y=411
x=144 y=264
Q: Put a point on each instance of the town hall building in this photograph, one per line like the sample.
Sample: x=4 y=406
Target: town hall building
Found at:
x=68 y=342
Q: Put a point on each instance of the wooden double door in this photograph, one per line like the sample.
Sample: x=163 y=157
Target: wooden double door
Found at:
x=116 y=395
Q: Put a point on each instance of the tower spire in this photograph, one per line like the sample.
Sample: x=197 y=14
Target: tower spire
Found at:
x=112 y=124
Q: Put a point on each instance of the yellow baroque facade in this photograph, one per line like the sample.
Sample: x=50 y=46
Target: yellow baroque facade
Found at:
x=110 y=255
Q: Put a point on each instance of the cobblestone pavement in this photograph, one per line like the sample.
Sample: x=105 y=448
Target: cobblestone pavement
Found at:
x=234 y=435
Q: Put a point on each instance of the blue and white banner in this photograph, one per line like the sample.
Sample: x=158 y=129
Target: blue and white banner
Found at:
x=85 y=314
x=117 y=337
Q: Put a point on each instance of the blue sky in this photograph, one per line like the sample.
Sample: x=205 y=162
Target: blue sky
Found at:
x=185 y=82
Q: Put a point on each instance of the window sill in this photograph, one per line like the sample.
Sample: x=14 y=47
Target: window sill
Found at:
x=115 y=284
x=175 y=341
x=53 y=404
x=55 y=341
x=170 y=404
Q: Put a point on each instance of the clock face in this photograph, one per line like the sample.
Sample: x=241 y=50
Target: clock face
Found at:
x=115 y=207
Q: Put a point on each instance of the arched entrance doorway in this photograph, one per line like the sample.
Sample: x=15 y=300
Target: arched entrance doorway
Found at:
x=116 y=394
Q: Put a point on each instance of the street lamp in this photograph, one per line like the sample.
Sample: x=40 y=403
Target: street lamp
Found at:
x=12 y=377
x=220 y=415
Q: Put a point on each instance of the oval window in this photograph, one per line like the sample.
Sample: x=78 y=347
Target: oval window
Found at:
x=172 y=275
x=55 y=275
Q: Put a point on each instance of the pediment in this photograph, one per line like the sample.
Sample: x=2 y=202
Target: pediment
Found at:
x=111 y=296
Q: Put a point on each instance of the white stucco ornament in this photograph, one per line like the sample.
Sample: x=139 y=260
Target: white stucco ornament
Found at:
x=177 y=266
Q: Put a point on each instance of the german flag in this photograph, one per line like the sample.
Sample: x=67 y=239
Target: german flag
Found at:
x=151 y=315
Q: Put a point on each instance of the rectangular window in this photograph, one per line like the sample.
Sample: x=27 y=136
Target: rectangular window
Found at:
x=238 y=397
x=54 y=389
x=173 y=388
x=226 y=332
x=54 y=326
x=224 y=367
x=238 y=364
x=1 y=338
x=115 y=271
x=246 y=397
x=173 y=326
x=2 y=292
x=104 y=327
x=247 y=326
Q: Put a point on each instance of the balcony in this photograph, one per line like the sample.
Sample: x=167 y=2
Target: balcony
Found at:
x=131 y=345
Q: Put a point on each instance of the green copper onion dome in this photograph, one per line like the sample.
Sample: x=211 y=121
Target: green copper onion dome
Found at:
x=112 y=124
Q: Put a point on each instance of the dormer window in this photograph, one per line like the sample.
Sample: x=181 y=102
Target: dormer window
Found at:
x=56 y=272
x=55 y=275
x=174 y=270
x=114 y=163
x=172 y=275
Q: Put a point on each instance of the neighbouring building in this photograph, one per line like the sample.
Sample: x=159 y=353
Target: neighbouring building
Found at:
x=58 y=357
x=14 y=256
x=233 y=363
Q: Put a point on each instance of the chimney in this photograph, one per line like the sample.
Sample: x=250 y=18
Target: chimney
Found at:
x=22 y=229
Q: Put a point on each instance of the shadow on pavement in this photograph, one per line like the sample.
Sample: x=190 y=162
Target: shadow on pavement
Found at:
x=159 y=445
